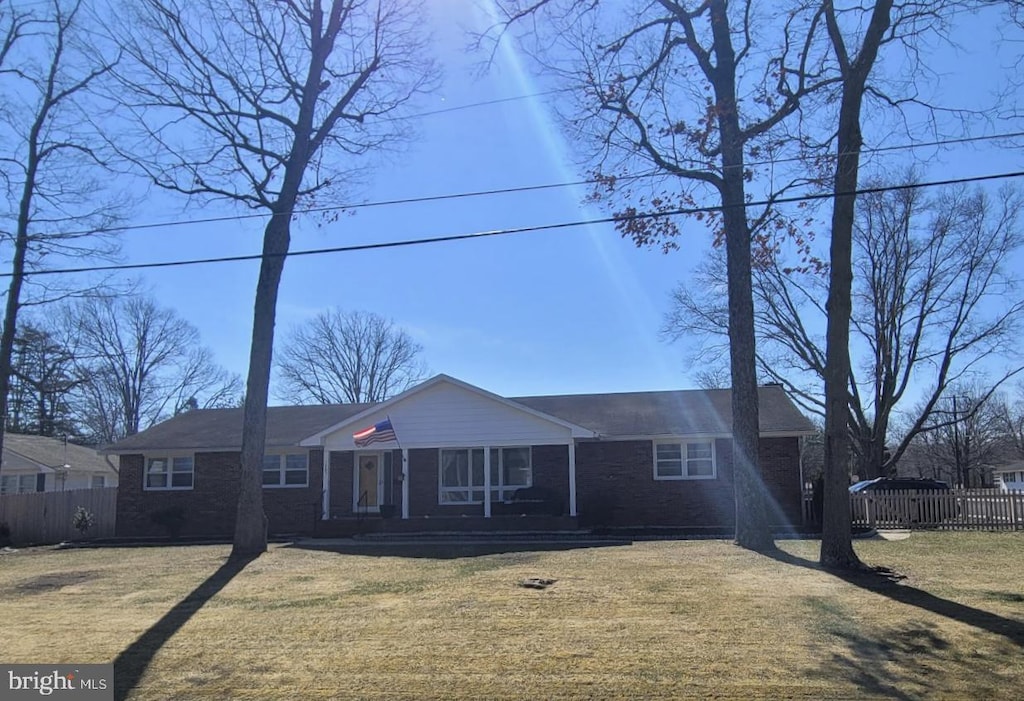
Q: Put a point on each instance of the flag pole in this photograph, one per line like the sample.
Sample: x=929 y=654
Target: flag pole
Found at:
x=399 y=443
x=405 y=471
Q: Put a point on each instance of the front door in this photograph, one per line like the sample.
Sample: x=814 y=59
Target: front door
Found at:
x=368 y=481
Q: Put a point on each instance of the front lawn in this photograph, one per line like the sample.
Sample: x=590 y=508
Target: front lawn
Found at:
x=686 y=619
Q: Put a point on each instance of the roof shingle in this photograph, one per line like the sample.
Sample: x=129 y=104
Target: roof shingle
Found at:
x=674 y=413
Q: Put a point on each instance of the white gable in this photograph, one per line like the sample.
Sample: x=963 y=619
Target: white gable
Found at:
x=451 y=414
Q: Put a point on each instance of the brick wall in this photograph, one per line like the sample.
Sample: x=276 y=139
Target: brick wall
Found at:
x=341 y=483
x=551 y=470
x=616 y=486
x=780 y=465
x=210 y=506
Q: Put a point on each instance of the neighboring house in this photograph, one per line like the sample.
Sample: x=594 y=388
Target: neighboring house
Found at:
x=1009 y=477
x=462 y=459
x=43 y=464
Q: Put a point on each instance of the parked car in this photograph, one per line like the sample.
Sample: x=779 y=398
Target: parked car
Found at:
x=899 y=484
x=916 y=509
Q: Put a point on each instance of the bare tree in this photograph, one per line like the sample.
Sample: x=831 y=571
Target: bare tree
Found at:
x=970 y=439
x=684 y=92
x=935 y=298
x=1009 y=415
x=57 y=205
x=340 y=357
x=257 y=103
x=139 y=364
x=854 y=37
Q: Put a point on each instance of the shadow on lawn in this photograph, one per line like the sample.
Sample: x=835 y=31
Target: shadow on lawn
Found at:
x=131 y=664
x=885 y=583
x=435 y=550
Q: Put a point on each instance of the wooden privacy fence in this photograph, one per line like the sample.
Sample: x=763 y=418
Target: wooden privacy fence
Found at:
x=964 y=509
x=45 y=517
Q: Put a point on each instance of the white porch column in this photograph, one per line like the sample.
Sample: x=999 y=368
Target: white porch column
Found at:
x=487 y=480
x=572 y=478
x=326 y=515
x=405 y=483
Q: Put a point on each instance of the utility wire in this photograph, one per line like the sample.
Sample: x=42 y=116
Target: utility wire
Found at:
x=516 y=230
x=495 y=191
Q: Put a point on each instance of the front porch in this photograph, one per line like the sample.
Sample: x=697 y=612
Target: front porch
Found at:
x=448 y=455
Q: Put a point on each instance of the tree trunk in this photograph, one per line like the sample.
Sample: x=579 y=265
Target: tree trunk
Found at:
x=836 y=543
x=250 y=521
x=10 y=327
x=752 y=527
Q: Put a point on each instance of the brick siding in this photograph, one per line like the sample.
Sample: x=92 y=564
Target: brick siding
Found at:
x=615 y=487
x=210 y=506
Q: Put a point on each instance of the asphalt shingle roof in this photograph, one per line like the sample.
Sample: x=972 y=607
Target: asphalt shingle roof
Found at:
x=214 y=429
x=50 y=452
x=680 y=412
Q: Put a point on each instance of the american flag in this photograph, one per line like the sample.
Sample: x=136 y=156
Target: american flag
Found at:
x=378 y=433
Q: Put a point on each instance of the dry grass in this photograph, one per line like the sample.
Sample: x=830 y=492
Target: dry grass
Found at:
x=697 y=619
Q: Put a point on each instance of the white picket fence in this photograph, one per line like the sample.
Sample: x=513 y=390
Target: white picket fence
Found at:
x=963 y=509
x=45 y=517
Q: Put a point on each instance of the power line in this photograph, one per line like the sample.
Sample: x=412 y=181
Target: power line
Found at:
x=515 y=230
x=496 y=191
x=485 y=103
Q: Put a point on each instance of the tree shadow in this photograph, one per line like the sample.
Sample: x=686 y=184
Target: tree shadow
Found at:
x=131 y=664
x=887 y=583
x=894 y=665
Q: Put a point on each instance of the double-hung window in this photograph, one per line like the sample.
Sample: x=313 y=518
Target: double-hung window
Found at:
x=288 y=470
x=176 y=472
x=683 y=460
x=17 y=484
x=462 y=474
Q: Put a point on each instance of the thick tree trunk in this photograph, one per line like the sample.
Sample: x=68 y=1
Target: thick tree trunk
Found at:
x=836 y=543
x=250 y=522
x=752 y=527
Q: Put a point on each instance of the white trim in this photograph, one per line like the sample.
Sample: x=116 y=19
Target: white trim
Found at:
x=17 y=477
x=282 y=469
x=486 y=481
x=170 y=458
x=405 y=483
x=682 y=443
x=325 y=483
x=356 y=508
x=572 y=479
x=487 y=478
x=317 y=438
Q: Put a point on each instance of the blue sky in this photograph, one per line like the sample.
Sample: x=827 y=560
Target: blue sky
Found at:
x=576 y=310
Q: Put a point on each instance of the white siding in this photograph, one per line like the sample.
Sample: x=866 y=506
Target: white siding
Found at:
x=449 y=416
x=73 y=480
